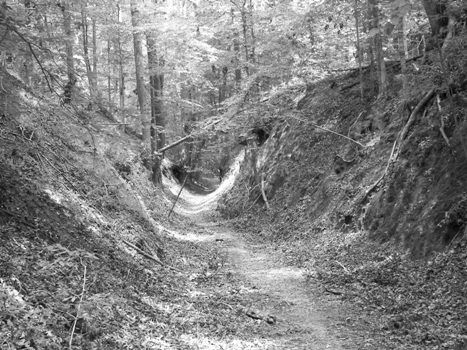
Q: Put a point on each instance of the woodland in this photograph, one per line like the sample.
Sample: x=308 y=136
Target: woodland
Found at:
x=233 y=174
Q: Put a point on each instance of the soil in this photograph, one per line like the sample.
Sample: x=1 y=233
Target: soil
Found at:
x=293 y=312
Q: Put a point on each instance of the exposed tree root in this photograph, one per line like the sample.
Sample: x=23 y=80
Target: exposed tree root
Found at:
x=399 y=140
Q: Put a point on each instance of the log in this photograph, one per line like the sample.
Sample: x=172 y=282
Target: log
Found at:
x=173 y=144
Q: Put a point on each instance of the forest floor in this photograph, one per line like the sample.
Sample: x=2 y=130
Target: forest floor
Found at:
x=289 y=311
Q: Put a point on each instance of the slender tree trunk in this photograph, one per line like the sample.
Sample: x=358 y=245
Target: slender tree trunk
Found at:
x=109 y=71
x=243 y=14
x=156 y=66
x=223 y=86
x=87 y=62
x=238 y=70
x=359 y=50
x=28 y=59
x=156 y=83
x=69 y=36
x=139 y=66
x=403 y=53
x=252 y=33
x=120 y=62
x=94 y=59
x=377 y=43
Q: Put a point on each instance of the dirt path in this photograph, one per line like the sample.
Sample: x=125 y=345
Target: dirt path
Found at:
x=297 y=321
x=278 y=295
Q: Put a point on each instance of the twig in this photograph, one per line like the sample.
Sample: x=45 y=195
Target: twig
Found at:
x=263 y=193
x=355 y=122
x=78 y=309
x=335 y=292
x=178 y=196
x=1 y=84
x=150 y=257
x=441 y=128
x=343 y=267
x=336 y=133
x=113 y=124
x=332 y=132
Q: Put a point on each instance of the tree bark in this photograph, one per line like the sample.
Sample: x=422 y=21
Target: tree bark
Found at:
x=94 y=59
x=139 y=66
x=252 y=33
x=403 y=53
x=69 y=36
x=87 y=61
x=438 y=18
x=359 y=50
x=120 y=63
x=377 y=43
x=238 y=70
x=156 y=83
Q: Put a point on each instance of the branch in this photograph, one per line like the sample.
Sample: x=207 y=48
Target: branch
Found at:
x=263 y=193
x=44 y=71
x=178 y=196
x=336 y=133
x=78 y=309
x=176 y=143
x=441 y=128
x=150 y=257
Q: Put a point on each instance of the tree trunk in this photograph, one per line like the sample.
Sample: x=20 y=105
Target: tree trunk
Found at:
x=121 y=70
x=438 y=18
x=238 y=70
x=28 y=64
x=377 y=43
x=109 y=71
x=246 y=45
x=69 y=88
x=403 y=53
x=143 y=99
x=156 y=82
x=359 y=50
x=252 y=33
x=223 y=85
x=94 y=59
x=87 y=61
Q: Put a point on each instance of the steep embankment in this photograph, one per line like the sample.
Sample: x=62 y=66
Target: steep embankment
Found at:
x=354 y=212
x=83 y=235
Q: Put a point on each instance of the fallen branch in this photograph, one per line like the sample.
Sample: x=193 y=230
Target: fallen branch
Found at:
x=330 y=131
x=343 y=267
x=334 y=292
x=355 y=122
x=441 y=128
x=178 y=196
x=336 y=133
x=256 y=316
x=149 y=256
x=349 y=86
x=263 y=193
x=78 y=308
x=176 y=143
